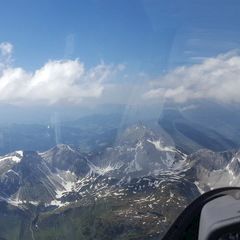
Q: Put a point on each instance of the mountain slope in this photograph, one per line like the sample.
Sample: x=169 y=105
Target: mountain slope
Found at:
x=132 y=190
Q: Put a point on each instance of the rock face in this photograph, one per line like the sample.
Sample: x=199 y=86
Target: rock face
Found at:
x=63 y=157
x=131 y=190
x=141 y=152
x=211 y=170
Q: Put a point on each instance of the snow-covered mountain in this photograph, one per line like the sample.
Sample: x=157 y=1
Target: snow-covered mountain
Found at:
x=142 y=181
x=28 y=177
x=211 y=170
x=139 y=151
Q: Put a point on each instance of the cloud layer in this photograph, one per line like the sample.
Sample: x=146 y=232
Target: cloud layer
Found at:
x=58 y=81
x=68 y=81
x=215 y=78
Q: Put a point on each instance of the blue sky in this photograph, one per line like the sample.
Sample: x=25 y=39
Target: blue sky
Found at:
x=119 y=51
x=149 y=36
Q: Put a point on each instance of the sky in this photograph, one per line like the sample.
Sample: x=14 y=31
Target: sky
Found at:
x=149 y=35
x=109 y=51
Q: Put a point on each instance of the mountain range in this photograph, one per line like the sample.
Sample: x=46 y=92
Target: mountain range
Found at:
x=132 y=189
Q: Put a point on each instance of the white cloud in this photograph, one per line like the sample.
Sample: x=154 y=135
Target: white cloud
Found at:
x=63 y=81
x=215 y=78
x=6 y=50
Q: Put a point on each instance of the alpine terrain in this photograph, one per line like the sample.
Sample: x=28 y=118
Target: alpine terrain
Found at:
x=132 y=189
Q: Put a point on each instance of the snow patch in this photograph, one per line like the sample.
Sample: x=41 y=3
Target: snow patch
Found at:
x=15 y=157
x=68 y=187
x=58 y=203
x=102 y=170
x=158 y=145
x=198 y=186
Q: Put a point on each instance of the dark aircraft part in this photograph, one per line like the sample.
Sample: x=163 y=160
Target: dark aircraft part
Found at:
x=202 y=219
